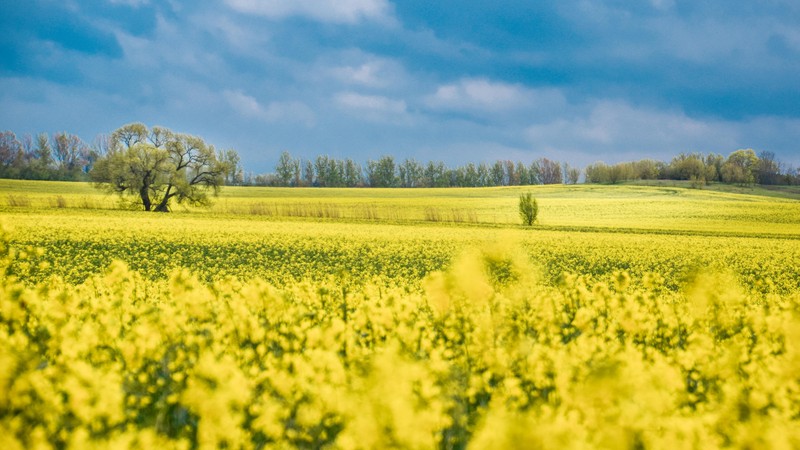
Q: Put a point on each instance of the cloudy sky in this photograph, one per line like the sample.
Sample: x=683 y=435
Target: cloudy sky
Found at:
x=456 y=81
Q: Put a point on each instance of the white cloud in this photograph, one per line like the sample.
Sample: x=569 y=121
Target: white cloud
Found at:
x=248 y=106
x=617 y=130
x=131 y=3
x=172 y=46
x=370 y=103
x=374 y=73
x=243 y=103
x=476 y=93
x=246 y=40
x=484 y=95
x=336 y=11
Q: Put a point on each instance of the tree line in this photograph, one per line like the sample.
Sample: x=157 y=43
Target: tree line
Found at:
x=60 y=156
x=64 y=156
x=743 y=167
x=386 y=171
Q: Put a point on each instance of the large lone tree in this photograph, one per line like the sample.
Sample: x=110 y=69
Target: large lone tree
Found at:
x=155 y=166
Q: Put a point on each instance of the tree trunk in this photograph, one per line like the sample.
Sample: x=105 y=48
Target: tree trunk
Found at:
x=163 y=206
x=143 y=192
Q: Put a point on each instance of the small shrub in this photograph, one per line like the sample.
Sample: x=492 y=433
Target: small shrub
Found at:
x=327 y=211
x=696 y=182
x=528 y=209
x=261 y=209
x=58 y=202
x=18 y=200
x=463 y=216
x=433 y=214
x=368 y=212
x=88 y=203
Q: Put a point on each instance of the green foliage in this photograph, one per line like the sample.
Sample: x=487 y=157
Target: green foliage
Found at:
x=382 y=173
x=65 y=157
x=287 y=169
x=646 y=169
x=696 y=182
x=158 y=165
x=528 y=209
x=741 y=167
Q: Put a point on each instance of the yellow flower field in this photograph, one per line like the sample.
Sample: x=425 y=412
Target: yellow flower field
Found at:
x=629 y=317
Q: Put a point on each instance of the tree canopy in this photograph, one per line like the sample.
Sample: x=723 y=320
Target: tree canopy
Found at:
x=741 y=167
x=157 y=165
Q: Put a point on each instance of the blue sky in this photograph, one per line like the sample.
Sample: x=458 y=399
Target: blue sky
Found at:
x=457 y=81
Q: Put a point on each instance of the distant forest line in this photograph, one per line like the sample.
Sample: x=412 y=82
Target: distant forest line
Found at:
x=64 y=156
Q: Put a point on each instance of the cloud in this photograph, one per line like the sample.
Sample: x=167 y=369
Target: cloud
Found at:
x=241 y=39
x=370 y=103
x=334 y=11
x=243 y=104
x=290 y=111
x=38 y=30
x=614 y=129
x=374 y=73
x=612 y=80
x=478 y=94
x=131 y=3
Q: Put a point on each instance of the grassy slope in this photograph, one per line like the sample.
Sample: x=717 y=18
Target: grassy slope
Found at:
x=788 y=192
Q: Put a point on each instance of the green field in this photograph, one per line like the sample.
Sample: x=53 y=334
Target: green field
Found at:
x=627 y=317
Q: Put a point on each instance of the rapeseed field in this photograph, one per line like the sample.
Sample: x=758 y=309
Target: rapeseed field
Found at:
x=629 y=317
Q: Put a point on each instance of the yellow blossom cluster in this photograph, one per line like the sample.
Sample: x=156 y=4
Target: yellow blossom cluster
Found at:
x=492 y=352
